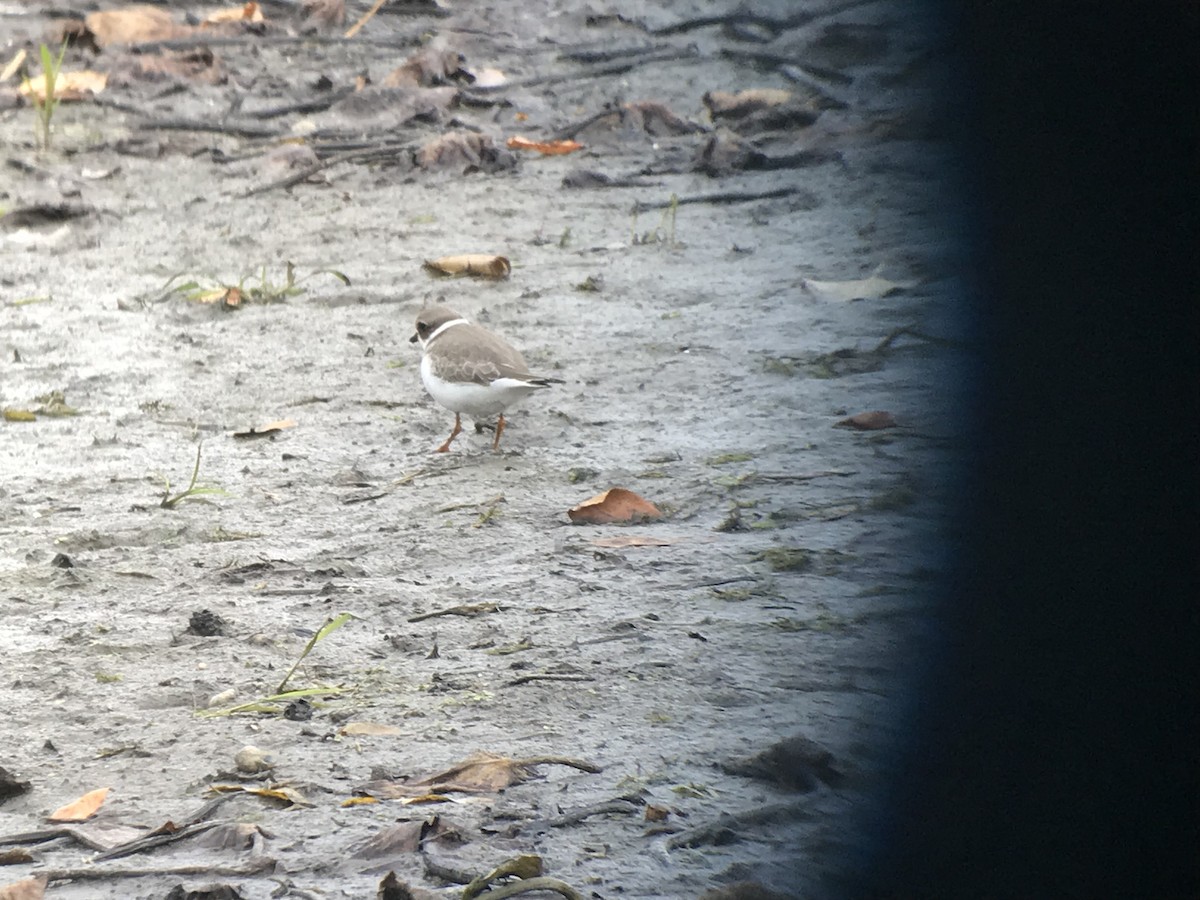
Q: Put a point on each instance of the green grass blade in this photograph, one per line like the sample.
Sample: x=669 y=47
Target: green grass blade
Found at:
x=325 y=630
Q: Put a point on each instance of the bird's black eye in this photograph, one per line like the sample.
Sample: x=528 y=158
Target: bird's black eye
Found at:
x=422 y=327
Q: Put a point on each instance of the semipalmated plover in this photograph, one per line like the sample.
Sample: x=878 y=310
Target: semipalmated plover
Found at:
x=468 y=369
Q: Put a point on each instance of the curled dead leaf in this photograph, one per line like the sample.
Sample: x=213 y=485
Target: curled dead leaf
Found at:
x=547 y=148
x=868 y=421
x=478 y=264
x=19 y=415
x=132 y=25
x=67 y=85
x=83 y=808
x=248 y=12
x=614 y=505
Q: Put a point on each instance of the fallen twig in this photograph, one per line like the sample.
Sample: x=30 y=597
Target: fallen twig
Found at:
x=154 y=840
x=612 y=68
x=466 y=609
x=446 y=873
x=374 y=152
x=723 y=827
x=525 y=679
x=720 y=197
x=366 y=17
x=255 y=866
x=575 y=816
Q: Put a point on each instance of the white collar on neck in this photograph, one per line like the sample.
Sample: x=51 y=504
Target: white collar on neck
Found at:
x=441 y=328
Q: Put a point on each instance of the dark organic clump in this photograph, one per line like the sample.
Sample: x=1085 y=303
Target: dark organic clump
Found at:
x=206 y=623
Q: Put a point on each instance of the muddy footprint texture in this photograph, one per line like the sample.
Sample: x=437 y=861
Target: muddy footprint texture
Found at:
x=262 y=640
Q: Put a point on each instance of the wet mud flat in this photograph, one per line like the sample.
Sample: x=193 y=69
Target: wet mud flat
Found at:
x=717 y=295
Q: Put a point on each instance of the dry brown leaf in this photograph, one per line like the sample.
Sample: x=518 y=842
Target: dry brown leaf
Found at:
x=354 y=728
x=67 y=85
x=426 y=68
x=269 y=428
x=133 y=25
x=16 y=856
x=195 y=64
x=358 y=801
x=868 y=421
x=18 y=415
x=249 y=12
x=632 y=540
x=480 y=773
x=32 y=888
x=403 y=837
x=872 y=288
x=479 y=264
x=548 y=148
x=614 y=505
x=656 y=813
x=464 y=150
x=83 y=808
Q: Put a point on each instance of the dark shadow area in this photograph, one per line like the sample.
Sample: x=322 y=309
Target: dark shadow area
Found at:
x=1056 y=754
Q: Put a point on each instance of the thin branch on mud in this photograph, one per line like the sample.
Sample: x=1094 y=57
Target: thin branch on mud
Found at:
x=366 y=17
x=466 y=609
x=445 y=873
x=282 y=40
x=721 y=197
x=154 y=840
x=582 y=764
x=796 y=20
x=721 y=829
x=233 y=129
x=615 y=68
x=526 y=679
x=602 y=53
x=253 y=867
x=785 y=64
x=318 y=104
x=575 y=816
x=34 y=837
x=379 y=151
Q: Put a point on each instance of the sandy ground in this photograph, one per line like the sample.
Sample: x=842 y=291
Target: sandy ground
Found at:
x=697 y=375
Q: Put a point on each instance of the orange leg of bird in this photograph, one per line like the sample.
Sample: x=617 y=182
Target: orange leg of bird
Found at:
x=499 y=431
x=445 y=448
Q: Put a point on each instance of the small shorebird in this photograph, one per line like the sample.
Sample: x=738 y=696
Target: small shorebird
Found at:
x=468 y=369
